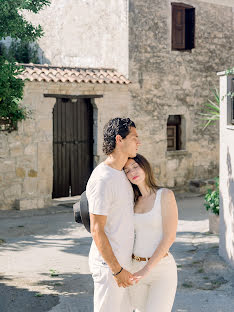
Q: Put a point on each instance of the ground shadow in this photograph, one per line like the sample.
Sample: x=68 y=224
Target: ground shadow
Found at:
x=78 y=246
x=76 y=290
x=14 y=299
x=48 y=230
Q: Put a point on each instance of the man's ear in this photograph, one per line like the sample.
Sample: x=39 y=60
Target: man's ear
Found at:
x=118 y=138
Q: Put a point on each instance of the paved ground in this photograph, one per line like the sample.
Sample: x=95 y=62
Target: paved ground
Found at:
x=43 y=262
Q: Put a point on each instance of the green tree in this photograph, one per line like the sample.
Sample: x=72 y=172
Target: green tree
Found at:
x=20 y=51
x=11 y=92
x=12 y=22
x=14 y=25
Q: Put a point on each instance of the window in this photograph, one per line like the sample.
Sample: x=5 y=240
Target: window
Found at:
x=174 y=133
x=183 y=26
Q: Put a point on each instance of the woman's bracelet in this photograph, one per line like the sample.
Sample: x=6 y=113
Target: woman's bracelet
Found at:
x=114 y=274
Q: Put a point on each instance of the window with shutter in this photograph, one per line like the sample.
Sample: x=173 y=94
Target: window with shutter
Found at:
x=183 y=26
x=174 y=133
x=178 y=28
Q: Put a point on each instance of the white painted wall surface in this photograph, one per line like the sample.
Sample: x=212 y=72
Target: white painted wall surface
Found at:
x=229 y=3
x=226 y=245
x=84 y=33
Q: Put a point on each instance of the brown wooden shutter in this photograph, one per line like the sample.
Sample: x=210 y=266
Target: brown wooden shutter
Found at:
x=171 y=138
x=178 y=27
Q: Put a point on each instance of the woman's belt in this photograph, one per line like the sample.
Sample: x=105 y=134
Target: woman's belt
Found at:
x=143 y=259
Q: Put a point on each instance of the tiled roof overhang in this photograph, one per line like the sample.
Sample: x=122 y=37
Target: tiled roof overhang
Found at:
x=48 y=73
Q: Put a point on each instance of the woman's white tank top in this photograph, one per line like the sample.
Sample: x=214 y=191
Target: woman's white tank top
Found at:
x=148 y=229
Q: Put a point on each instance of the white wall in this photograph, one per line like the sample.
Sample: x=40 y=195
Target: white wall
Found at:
x=229 y=3
x=84 y=33
x=226 y=245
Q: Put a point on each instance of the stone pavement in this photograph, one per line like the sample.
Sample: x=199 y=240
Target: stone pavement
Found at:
x=44 y=268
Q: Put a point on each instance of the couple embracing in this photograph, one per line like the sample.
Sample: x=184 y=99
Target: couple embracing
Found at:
x=133 y=225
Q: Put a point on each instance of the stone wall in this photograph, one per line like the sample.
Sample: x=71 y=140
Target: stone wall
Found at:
x=226 y=244
x=26 y=167
x=84 y=33
x=167 y=82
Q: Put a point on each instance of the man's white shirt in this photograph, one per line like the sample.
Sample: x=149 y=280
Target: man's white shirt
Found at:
x=110 y=194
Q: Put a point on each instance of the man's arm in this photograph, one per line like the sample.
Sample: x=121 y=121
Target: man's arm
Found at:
x=97 y=224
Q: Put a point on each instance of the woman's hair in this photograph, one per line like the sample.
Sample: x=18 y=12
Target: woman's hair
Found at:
x=114 y=127
x=149 y=176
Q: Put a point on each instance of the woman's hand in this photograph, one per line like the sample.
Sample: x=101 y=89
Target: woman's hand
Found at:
x=141 y=274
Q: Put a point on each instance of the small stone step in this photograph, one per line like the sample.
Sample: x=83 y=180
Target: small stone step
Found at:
x=201 y=185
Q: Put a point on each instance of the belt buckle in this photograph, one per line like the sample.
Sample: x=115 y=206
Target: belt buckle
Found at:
x=137 y=258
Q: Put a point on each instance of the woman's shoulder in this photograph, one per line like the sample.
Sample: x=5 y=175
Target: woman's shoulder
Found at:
x=166 y=192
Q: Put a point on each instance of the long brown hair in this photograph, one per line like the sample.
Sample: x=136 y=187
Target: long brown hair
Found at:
x=149 y=176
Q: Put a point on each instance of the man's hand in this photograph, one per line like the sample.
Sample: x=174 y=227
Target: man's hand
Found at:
x=125 y=279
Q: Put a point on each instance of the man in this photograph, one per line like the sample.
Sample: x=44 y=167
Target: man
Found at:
x=110 y=198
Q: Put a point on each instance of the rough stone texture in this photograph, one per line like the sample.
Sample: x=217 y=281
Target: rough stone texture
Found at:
x=90 y=33
x=226 y=245
x=26 y=176
x=20 y=172
x=167 y=82
x=32 y=173
x=201 y=186
x=26 y=204
x=213 y=223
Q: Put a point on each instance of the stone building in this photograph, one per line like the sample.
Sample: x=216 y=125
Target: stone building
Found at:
x=170 y=83
x=54 y=151
x=82 y=38
x=170 y=79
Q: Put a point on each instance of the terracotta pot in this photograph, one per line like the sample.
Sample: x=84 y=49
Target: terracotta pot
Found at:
x=213 y=223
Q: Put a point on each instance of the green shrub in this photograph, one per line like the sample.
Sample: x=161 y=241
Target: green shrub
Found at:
x=212 y=199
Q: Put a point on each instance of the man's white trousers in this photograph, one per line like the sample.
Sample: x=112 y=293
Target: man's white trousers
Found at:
x=107 y=295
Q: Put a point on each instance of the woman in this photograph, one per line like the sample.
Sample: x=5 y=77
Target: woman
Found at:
x=155 y=221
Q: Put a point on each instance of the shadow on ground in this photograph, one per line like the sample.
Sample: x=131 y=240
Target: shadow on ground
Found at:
x=13 y=299
x=78 y=246
x=76 y=286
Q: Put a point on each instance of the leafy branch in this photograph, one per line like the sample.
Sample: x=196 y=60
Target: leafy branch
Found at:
x=211 y=109
x=14 y=25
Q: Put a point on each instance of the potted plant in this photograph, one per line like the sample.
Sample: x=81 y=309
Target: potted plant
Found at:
x=212 y=205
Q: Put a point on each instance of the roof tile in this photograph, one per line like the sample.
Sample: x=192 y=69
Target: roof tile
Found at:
x=35 y=72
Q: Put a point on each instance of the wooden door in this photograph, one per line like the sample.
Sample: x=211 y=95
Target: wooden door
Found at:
x=72 y=146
